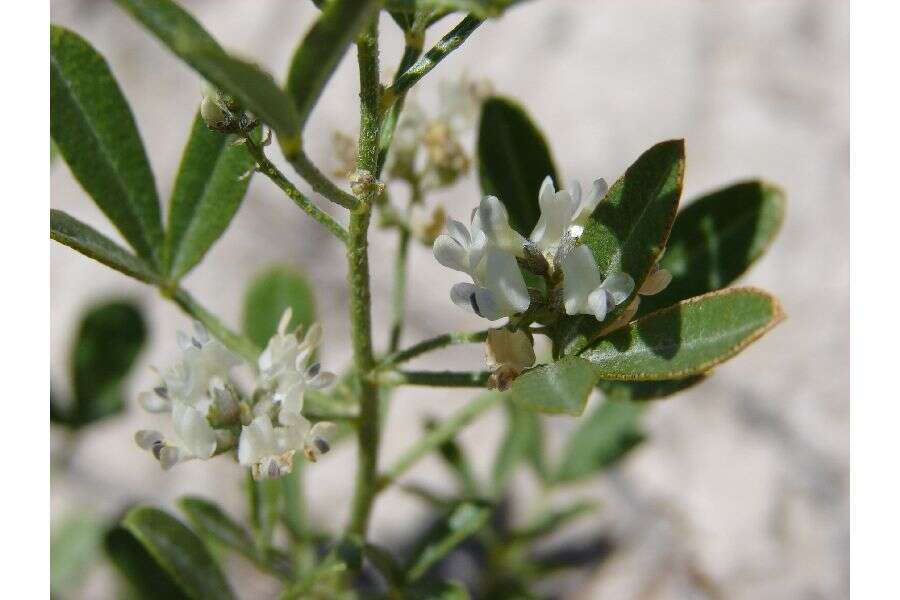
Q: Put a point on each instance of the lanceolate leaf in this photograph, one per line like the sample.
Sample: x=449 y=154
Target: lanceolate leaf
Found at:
x=602 y=439
x=94 y=130
x=109 y=340
x=253 y=88
x=460 y=523
x=523 y=441
x=629 y=228
x=513 y=160
x=68 y=230
x=687 y=339
x=269 y=294
x=210 y=521
x=208 y=191
x=180 y=552
x=147 y=580
x=321 y=50
x=561 y=387
x=716 y=238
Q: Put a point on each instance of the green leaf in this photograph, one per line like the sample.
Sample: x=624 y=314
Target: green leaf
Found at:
x=71 y=232
x=321 y=50
x=687 y=339
x=459 y=524
x=265 y=508
x=641 y=391
x=716 y=238
x=561 y=387
x=110 y=338
x=513 y=160
x=146 y=578
x=628 y=230
x=253 y=88
x=437 y=590
x=94 y=130
x=74 y=549
x=211 y=522
x=602 y=439
x=180 y=553
x=456 y=458
x=208 y=191
x=479 y=8
x=551 y=521
x=268 y=295
x=524 y=440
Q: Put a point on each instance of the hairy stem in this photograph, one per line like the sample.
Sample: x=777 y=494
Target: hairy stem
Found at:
x=436 y=54
x=368 y=429
x=435 y=343
x=441 y=434
x=469 y=379
x=234 y=341
x=320 y=182
x=265 y=167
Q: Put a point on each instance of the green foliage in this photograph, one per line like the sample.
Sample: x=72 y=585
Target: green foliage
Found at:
x=253 y=88
x=523 y=441
x=716 y=238
x=94 y=130
x=74 y=546
x=208 y=191
x=460 y=523
x=629 y=228
x=179 y=552
x=513 y=160
x=268 y=295
x=71 y=232
x=109 y=339
x=211 y=523
x=553 y=520
x=560 y=387
x=687 y=339
x=603 y=438
x=146 y=579
x=479 y=8
x=321 y=50
x=640 y=391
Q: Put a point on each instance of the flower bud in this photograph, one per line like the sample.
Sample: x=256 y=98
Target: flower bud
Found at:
x=506 y=354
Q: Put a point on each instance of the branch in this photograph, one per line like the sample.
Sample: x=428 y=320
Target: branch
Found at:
x=320 y=182
x=465 y=379
x=438 y=436
x=435 y=343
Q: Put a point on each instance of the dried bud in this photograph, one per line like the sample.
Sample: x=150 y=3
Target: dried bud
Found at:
x=506 y=354
x=364 y=185
x=427 y=227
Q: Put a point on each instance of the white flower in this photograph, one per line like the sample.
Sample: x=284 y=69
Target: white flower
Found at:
x=499 y=289
x=194 y=438
x=269 y=450
x=584 y=290
x=283 y=368
x=506 y=354
x=563 y=212
x=202 y=359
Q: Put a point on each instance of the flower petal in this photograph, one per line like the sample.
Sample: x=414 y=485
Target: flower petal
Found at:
x=285 y=320
x=475 y=299
x=619 y=285
x=505 y=282
x=580 y=277
x=599 y=302
x=492 y=219
x=257 y=440
x=459 y=233
x=450 y=253
x=193 y=430
x=153 y=402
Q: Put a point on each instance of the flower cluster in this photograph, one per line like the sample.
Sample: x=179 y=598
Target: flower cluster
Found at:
x=443 y=160
x=491 y=253
x=211 y=417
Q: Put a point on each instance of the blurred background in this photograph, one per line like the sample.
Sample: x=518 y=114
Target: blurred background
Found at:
x=741 y=490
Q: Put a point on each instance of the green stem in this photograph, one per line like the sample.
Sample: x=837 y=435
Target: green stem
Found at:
x=439 y=52
x=360 y=305
x=234 y=341
x=265 y=167
x=438 y=436
x=399 y=290
x=435 y=343
x=468 y=379
x=321 y=183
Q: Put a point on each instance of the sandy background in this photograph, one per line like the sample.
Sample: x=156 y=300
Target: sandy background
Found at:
x=741 y=491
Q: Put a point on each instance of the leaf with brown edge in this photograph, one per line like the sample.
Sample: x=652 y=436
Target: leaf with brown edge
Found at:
x=687 y=339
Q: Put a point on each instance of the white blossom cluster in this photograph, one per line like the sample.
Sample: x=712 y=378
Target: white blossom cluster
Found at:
x=210 y=416
x=490 y=252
